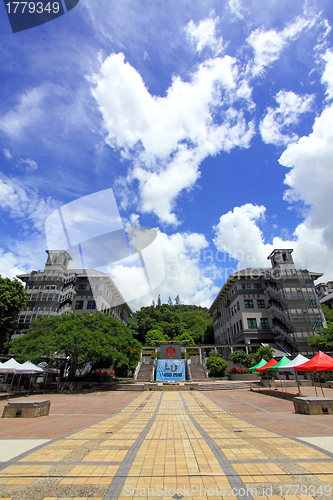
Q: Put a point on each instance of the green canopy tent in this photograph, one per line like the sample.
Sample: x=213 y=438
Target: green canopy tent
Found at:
x=283 y=361
x=258 y=365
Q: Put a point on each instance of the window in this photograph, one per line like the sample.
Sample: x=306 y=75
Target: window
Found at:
x=82 y=288
x=237 y=325
x=91 y=304
x=257 y=286
x=261 y=304
x=248 y=304
x=248 y=286
x=243 y=286
x=252 y=323
x=79 y=304
x=240 y=324
x=234 y=329
x=238 y=307
x=232 y=311
x=264 y=324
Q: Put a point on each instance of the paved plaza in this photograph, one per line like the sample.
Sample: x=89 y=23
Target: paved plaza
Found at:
x=124 y=445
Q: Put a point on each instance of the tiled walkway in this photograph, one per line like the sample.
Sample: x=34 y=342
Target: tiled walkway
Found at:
x=170 y=444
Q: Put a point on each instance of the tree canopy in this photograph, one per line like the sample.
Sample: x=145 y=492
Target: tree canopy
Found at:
x=13 y=298
x=239 y=357
x=265 y=351
x=89 y=337
x=322 y=340
x=173 y=321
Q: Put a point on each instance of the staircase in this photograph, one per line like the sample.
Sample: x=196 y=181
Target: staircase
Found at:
x=197 y=372
x=145 y=373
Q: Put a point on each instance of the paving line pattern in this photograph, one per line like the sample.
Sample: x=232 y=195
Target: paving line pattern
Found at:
x=170 y=444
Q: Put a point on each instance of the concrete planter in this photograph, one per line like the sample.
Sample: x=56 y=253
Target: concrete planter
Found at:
x=267 y=383
x=242 y=376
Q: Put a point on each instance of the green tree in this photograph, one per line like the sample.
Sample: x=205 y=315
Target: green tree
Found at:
x=88 y=337
x=241 y=358
x=13 y=298
x=216 y=365
x=155 y=334
x=265 y=352
x=328 y=313
x=185 y=338
x=323 y=339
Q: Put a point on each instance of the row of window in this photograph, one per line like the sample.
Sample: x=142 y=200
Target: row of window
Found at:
x=238 y=326
x=235 y=308
x=250 y=305
x=252 y=323
x=91 y=304
x=247 y=286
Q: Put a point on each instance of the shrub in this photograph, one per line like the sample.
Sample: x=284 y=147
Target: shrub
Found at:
x=216 y=366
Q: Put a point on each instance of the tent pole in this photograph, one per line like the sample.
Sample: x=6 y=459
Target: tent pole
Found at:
x=11 y=385
x=322 y=390
x=314 y=383
x=298 y=384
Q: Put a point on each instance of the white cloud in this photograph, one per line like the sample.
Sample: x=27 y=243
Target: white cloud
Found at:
x=275 y=126
x=31 y=164
x=236 y=8
x=10 y=265
x=7 y=154
x=23 y=203
x=268 y=45
x=238 y=234
x=203 y=35
x=310 y=181
x=327 y=78
x=186 y=273
x=163 y=134
x=310 y=177
x=25 y=114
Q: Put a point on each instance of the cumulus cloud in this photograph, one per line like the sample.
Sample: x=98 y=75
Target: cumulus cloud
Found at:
x=238 y=234
x=186 y=273
x=203 y=35
x=327 y=78
x=268 y=45
x=276 y=124
x=168 y=137
x=309 y=181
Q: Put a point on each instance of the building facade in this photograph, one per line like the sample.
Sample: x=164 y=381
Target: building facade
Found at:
x=325 y=293
x=58 y=290
x=276 y=305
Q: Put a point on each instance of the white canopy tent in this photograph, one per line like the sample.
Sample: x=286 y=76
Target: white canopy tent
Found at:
x=290 y=367
x=11 y=366
x=31 y=368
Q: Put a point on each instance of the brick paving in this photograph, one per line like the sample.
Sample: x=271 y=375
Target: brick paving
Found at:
x=217 y=444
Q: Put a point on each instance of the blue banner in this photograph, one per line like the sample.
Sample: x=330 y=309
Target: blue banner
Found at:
x=172 y=370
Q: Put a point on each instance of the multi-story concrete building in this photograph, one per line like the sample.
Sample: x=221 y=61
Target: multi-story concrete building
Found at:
x=59 y=290
x=276 y=305
x=325 y=293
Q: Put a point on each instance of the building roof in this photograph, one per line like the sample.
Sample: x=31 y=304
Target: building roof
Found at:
x=248 y=272
x=326 y=298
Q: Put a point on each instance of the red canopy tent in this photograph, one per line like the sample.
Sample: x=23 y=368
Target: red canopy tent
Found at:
x=270 y=363
x=320 y=363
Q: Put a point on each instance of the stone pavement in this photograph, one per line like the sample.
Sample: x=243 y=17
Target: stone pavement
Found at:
x=221 y=444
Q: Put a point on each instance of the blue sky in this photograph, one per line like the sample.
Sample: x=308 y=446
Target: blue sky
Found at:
x=210 y=121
